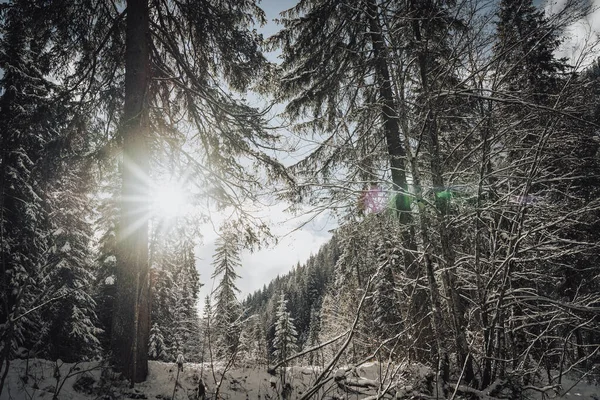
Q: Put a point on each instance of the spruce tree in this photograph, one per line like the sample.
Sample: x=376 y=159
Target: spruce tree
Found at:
x=25 y=112
x=525 y=49
x=342 y=76
x=314 y=333
x=70 y=323
x=130 y=329
x=258 y=348
x=284 y=342
x=158 y=350
x=206 y=332
x=336 y=78
x=175 y=291
x=386 y=310
x=45 y=248
x=227 y=309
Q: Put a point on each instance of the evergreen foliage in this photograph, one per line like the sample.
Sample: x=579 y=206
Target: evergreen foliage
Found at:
x=314 y=334
x=46 y=235
x=126 y=73
x=175 y=294
x=106 y=254
x=206 y=332
x=306 y=285
x=258 y=351
x=284 y=342
x=525 y=47
x=158 y=350
x=70 y=323
x=487 y=122
x=227 y=309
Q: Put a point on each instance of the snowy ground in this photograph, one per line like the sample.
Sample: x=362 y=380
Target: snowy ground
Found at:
x=40 y=379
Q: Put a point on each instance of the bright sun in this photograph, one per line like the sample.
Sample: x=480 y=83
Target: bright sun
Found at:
x=169 y=200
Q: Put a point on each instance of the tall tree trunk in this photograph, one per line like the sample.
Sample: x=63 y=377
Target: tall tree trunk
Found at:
x=437 y=320
x=131 y=318
x=441 y=203
x=397 y=153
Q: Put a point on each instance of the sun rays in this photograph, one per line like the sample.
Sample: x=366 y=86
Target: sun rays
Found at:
x=160 y=200
x=168 y=200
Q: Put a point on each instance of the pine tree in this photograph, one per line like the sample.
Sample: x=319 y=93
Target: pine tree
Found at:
x=386 y=310
x=314 y=333
x=227 y=310
x=45 y=248
x=158 y=350
x=246 y=343
x=284 y=341
x=525 y=50
x=25 y=111
x=206 y=332
x=70 y=323
x=131 y=314
x=186 y=319
x=258 y=348
x=339 y=78
x=175 y=292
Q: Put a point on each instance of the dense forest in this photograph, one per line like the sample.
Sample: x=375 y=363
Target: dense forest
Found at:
x=456 y=143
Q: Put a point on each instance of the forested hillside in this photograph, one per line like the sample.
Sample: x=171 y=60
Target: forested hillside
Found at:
x=455 y=145
x=305 y=287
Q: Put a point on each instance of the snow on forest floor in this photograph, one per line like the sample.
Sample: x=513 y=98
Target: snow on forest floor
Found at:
x=41 y=379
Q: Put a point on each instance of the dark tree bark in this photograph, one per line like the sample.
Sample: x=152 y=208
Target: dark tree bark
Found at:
x=131 y=318
x=397 y=154
x=441 y=203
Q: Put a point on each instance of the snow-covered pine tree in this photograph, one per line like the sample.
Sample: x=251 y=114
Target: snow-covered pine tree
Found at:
x=284 y=342
x=106 y=254
x=186 y=321
x=164 y=300
x=258 y=349
x=386 y=310
x=386 y=307
x=314 y=285
x=158 y=350
x=167 y=92
x=70 y=324
x=44 y=212
x=246 y=343
x=26 y=115
x=227 y=309
x=206 y=332
x=356 y=264
x=314 y=357
x=252 y=349
x=175 y=291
